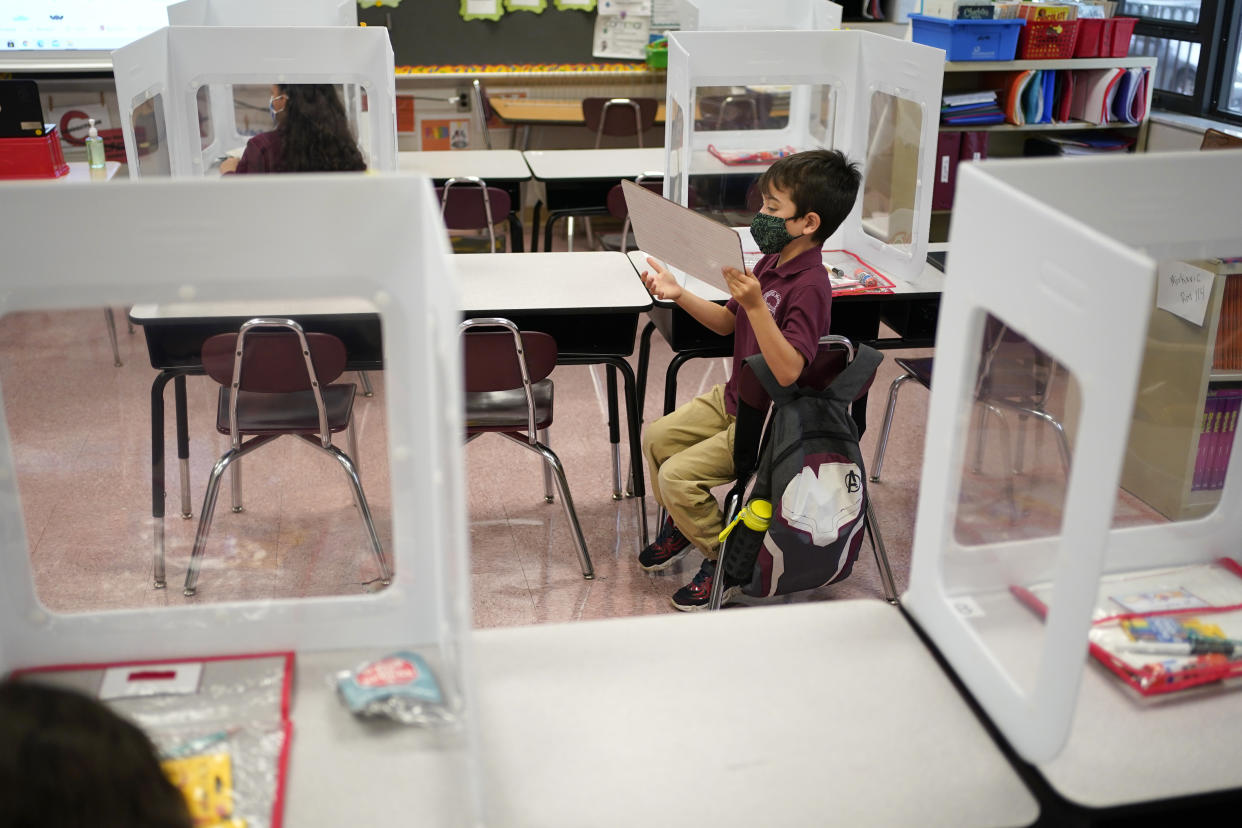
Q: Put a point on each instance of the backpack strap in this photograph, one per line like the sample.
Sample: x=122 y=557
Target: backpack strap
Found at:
x=845 y=386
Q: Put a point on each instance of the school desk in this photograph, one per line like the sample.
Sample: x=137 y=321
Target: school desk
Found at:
x=532 y=112
x=824 y=713
x=589 y=301
x=505 y=169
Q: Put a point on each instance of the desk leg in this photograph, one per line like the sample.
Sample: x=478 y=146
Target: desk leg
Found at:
x=644 y=356
x=614 y=433
x=515 y=233
x=636 y=451
x=548 y=224
x=157 y=473
x=183 y=444
x=534 y=227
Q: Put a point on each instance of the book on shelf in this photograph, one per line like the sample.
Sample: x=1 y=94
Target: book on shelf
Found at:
x=955 y=99
x=1077 y=144
x=1227 y=355
x=1219 y=426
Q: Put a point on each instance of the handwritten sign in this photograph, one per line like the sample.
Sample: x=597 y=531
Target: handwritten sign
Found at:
x=1184 y=290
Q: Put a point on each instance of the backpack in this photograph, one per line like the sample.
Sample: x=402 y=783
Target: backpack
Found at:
x=811 y=469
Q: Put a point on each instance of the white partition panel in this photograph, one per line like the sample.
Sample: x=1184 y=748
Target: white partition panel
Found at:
x=715 y=15
x=263 y=13
x=1065 y=254
x=771 y=90
x=171 y=70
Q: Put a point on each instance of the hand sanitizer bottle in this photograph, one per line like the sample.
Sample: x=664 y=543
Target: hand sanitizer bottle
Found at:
x=94 y=149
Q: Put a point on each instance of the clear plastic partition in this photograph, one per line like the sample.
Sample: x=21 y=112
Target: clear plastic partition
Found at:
x=267 y=13
x=228 y=74
x=708 y=15
x=895 y=129
x=759 y=95
x=114 y=550
x=1075 y=483
x=148 y=123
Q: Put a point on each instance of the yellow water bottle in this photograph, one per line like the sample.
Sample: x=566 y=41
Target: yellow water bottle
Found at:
x=745 y=535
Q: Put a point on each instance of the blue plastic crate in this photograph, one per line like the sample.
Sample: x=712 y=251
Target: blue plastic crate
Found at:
x=968 y=39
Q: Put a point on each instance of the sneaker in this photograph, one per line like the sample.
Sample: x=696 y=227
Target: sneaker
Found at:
x=669 y=547
x=697 y=594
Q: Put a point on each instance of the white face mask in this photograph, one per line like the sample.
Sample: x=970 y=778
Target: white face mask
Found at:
x=271 y=105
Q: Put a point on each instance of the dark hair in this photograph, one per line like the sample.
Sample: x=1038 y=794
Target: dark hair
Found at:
x=314 y=132
x=819 y=181
x=68 y=760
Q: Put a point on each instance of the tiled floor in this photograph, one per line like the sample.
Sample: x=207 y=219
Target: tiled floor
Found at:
x=80 y=438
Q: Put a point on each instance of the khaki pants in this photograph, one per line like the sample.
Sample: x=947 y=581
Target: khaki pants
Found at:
x=690 y=452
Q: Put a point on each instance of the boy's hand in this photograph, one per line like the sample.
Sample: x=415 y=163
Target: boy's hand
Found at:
x=661 y=284
x=744 y=288
x=228 y=165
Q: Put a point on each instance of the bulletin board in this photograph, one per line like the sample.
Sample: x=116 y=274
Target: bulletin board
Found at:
x=432 y=33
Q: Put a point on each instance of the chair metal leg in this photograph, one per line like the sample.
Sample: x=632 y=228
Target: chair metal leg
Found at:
x=569 y=233
x=209 y=508
x=376 y=547
x=110 y=321
x=546 y=439
x=351 y=434
x=567 y=502
x=366 y=384
x=732 y=504
x=237 y=487
x=877 y=462
x=872 y=525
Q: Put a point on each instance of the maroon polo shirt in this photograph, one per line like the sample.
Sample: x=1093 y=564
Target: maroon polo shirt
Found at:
x=799 y=296
x=263 y=154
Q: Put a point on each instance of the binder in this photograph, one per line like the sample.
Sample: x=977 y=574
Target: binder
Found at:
x=1049 y=93
x=974 y=146
x=1065 y=95
x=1093 y=94
x=948 y=148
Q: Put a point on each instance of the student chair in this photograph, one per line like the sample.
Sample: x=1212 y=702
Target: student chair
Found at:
x=1014 y=376
x=618 y=209
x=508 y=393
x=1214 y=139
x=110 y=324
x=619 y=117
x=751 y=433
x=721 y=112
x=467 y=203
x=483 y=106
x=276 y=380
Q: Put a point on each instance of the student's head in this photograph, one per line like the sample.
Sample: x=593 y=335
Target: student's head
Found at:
x=68 y=760
x=315 y=134
x=814 y=190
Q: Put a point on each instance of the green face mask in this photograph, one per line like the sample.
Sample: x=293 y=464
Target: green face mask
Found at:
x=769 y=233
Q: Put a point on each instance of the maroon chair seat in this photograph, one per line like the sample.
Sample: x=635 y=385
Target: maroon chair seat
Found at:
x=468 y=203
x=277 y=380
x=507 y=392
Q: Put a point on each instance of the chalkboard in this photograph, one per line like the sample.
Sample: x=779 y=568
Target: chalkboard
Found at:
x=432 y=33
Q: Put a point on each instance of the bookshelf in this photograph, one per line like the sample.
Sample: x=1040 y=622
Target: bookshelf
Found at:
x=1007 y=140
x=1179 y=373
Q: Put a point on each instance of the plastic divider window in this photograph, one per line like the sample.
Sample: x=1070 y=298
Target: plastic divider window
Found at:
x=178 y=226
x=839 y=71
x=1085 y=299
x=175 y=62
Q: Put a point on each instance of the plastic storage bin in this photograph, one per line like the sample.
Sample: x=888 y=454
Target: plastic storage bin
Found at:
x=33 y=157
x=1047 y=39
x=1104 y=37
x=968 y=39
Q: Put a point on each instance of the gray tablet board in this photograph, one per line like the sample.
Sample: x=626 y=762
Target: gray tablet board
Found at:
x=680 y=237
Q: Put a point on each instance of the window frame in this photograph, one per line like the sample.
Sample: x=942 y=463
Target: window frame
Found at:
x=1216 y=33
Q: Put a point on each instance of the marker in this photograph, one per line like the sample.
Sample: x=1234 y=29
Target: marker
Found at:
x=1199 y=646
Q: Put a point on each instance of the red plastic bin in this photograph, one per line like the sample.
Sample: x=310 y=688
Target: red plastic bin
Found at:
x=1047 y=39
x=1104 y=37
x=33 y=157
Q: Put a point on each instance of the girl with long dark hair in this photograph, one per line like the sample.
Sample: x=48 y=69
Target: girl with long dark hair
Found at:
x=312 y=135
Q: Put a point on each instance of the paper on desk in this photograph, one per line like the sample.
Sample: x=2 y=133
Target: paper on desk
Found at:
x=682 y=238
x=1184 y=290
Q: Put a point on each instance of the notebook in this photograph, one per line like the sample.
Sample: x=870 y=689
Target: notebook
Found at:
x=21 y=113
